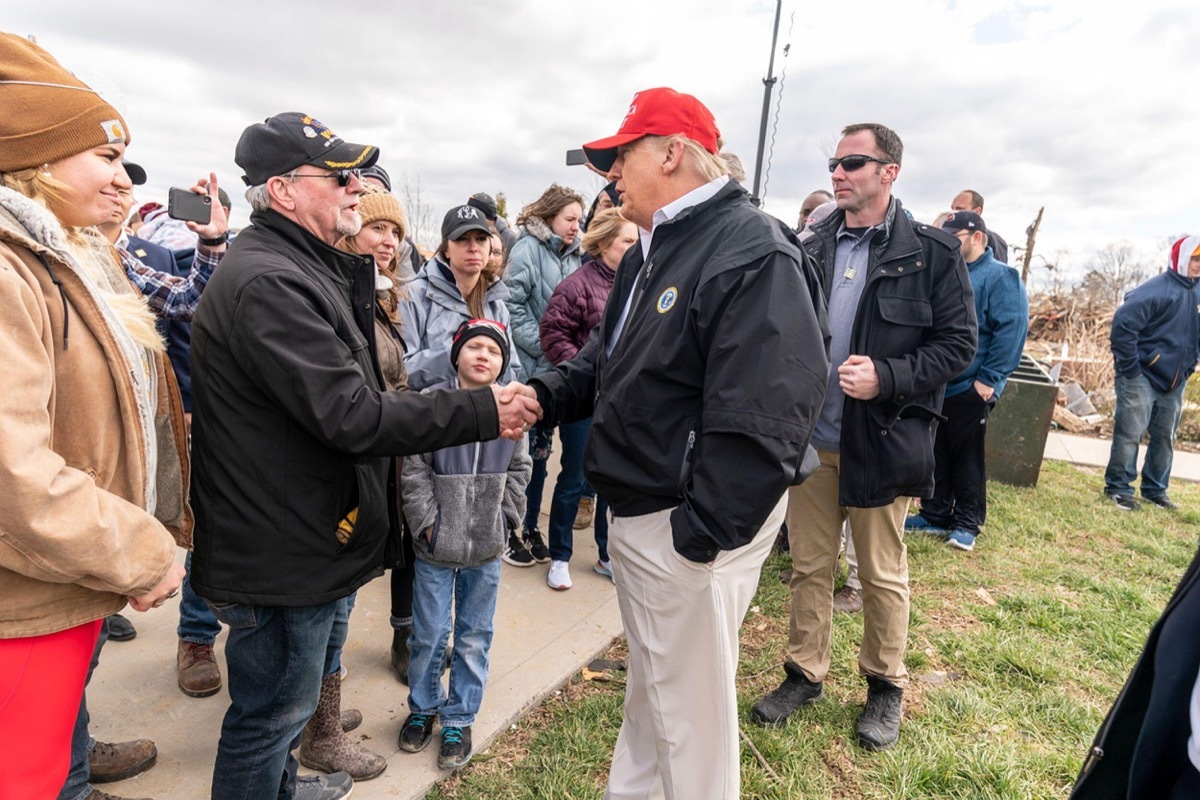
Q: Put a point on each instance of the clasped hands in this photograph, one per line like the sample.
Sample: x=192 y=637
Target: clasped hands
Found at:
x=519 y=410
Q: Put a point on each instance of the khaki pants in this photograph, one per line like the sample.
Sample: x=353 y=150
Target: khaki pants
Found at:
x=814 y=533
x=679 y=738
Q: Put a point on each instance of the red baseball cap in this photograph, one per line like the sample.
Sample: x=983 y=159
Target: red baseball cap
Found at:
x=657 y=112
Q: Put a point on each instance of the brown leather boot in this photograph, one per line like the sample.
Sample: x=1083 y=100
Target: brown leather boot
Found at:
x=326 y=747
x=116 y=762
x=99 y=795
x=199 y=673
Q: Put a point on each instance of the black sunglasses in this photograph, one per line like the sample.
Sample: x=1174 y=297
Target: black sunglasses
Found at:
x=342 y=176
x=854 y=163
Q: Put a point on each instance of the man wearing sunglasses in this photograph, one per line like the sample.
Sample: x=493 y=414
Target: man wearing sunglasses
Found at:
x=294 y=434
x=902 y=322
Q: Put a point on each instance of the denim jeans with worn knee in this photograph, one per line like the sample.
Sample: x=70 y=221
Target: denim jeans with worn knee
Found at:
x=469 y=595
x=276 y=658
x=1141 y=409
x=197 y=624
x=568 y=489
x=76 y=786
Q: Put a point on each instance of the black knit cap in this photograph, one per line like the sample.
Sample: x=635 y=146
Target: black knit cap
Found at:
x=480 y=327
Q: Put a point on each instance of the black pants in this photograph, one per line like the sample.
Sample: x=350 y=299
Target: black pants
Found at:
x=959 y=472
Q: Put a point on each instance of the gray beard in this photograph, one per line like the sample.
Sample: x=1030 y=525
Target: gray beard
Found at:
x=349 y=227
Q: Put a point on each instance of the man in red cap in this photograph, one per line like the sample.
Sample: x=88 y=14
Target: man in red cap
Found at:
x=703 y=381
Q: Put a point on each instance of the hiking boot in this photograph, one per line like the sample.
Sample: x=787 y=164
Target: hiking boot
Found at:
x=116 y=762
x=537 y=546
x=586 y=513
x=1160 y=500
x=878 y=726
x=961 y=539
x=199 y=673
x=324 y=746
x=323 y=787
x=99 y=795
x=120 y=629
x=456 y=747
x=516 y=553
x=848 y=600
x=559 y=576
x=416 y=732
x=400 y=652
x=915 y=522
x=1125 y=502
x=796 y=690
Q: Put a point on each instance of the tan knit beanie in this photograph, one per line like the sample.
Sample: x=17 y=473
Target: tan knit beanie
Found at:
x=376 y=204
x=46 y=113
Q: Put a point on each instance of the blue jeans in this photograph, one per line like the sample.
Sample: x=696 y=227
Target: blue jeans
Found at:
x=337 y=634
x=472 y=592
x=197 y=624
x=276 y=658
x=76 y=786
x=1141 y=408
x=569 y=488
x=541 y=442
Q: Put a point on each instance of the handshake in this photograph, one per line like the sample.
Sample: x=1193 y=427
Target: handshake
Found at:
x=518 y=407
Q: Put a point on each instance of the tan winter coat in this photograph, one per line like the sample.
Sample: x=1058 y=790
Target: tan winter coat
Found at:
x=75 y=539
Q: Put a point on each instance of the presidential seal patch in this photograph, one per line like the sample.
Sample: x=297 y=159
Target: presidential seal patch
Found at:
x=667 y=299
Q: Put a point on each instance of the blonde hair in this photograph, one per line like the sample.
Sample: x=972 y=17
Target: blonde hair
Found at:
x=95 y=258
x=604 y=230
x=710 y=166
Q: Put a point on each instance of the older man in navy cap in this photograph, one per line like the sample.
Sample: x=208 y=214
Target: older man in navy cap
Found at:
x=295 y=436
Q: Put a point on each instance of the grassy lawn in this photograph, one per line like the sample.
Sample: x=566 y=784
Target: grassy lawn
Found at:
x=1016 y=652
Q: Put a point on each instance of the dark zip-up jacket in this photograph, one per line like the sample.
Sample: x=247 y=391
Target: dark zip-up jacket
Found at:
x=1140 y=750
x=1156 y=331
x=709 y=397
x=292 y=429
x=916 y=321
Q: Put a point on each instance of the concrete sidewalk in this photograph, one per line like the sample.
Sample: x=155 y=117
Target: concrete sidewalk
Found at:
x=542 y=639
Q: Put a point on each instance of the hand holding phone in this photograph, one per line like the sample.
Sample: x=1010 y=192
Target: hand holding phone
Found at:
x=188 y=206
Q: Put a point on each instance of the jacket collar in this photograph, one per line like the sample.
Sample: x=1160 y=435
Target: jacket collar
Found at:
x=338 y=264
x=894 y=241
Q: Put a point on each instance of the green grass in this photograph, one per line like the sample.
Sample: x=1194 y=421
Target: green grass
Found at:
x=1016 y=652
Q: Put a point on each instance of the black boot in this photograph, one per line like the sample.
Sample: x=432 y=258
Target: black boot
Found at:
x=797 y=690
x=400 y=652
x=878 y=727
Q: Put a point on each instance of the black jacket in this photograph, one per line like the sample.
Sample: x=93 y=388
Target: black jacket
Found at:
x=292 y=430
x=916 y=320
x=712 y=390
x=1141 y=749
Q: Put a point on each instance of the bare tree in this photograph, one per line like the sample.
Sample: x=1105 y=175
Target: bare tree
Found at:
x=1114 y=269
x=418 y=212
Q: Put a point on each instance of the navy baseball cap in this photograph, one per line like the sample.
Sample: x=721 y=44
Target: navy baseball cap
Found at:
x=285 y=141
x=137 y=175
x=964 y=221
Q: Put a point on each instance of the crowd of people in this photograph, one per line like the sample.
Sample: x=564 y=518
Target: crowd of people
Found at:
x=313 y=401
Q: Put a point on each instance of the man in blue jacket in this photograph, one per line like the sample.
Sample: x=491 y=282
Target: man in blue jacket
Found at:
x=959 y=503
x=1155 y=342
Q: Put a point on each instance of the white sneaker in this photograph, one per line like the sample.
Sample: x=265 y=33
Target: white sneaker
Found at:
x=559 y=576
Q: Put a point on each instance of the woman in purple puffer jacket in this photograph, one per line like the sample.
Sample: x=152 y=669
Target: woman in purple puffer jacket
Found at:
x=574 y=310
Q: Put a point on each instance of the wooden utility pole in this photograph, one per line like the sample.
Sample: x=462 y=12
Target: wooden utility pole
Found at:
x=1029 y=246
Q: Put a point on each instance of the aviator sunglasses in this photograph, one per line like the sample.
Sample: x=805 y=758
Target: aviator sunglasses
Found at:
x=342 y=176
x=853 y=163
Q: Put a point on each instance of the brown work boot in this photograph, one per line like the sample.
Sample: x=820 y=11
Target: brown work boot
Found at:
x=199 y=674
x=99 y=795
x=585 y=514
x=848 y=600
x=326 y=747
x=116 y=762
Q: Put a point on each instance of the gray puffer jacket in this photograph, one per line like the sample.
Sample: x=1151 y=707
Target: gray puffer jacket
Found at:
x=429 y=316
x=467 y=498
x=536 y=266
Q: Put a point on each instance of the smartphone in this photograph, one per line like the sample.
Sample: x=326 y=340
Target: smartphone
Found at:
x=188 y=206
x=576 y=157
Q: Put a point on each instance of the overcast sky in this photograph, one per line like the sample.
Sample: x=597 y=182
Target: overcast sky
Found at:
x=1086 y=108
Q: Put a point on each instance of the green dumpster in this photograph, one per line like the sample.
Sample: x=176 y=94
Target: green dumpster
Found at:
x=1019 y=424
